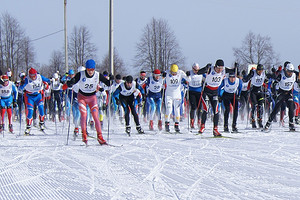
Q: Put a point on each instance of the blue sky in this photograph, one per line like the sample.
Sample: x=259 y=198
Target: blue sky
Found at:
x=206 y=30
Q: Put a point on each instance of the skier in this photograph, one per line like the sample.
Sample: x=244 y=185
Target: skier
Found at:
x=88 y=81
x=154 y=87
x=286 y=80
x=127 y=92
x=56 y=89
x=195 y=88
x=244 y=99
x=8 y=97
x=115 y=100
x=141 y=81
x=230 y=91
x=172 y=81
x=214 y=77
x=257 y=77
x=33 y=87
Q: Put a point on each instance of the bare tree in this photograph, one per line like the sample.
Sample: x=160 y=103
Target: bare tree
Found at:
x=256 y=49
x=80 y=46
x=57 y=63
x=119 y=67
x=158 y=47
x=14 y=46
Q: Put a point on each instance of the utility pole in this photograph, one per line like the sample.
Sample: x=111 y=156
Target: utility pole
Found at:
x=111 y=39
x=66 y=38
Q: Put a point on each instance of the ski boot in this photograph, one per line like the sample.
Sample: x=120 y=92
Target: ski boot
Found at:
x=202 y=128
x=176 y=126
x=292 y=126
x=192 y=123
x=167 y=126
x=100 y=139
x=84 y=137
x=234 y=129
x=297 y=120
x=10 y=128
x=216 y=132
x=267 y=126
x=27 y=130
x=226 y=129
x=139 y=129
x=151 y=125
x=76 y=132
x=260 y=125
x=42 y=126
x=253 y=123
x=92 y=125
x=128 y=130
x=1 y=128
x=159 y=125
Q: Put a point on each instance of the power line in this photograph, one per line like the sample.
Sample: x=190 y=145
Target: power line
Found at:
x=47 y=35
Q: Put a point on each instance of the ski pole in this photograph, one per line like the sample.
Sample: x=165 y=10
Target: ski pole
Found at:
x=108 y=112
x=71 y=103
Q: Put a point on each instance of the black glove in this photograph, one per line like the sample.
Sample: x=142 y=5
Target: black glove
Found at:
x=273 y=70
x=15 y=104
x=104 y=107
x=111 y=77
x=101 y=89
x=208 y=65
x=188 y=73
x=238 y=97
x=164 y=74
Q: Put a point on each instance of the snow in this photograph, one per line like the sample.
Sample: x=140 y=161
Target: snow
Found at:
x=251 y=165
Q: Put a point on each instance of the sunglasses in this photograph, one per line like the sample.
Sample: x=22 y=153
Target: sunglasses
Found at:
x=90 y=69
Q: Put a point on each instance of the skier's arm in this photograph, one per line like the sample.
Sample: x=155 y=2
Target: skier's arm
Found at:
x=104 y=80
x=74 y=80
x=221 y=88
x=249 y=76
x=140 y=89
x=44 y=79
x=205 y=69
x=15 y=92
x=239 y=90
x=117 y=92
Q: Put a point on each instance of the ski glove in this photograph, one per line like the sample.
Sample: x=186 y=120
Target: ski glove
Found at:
x=188 y=73
x=15 y=104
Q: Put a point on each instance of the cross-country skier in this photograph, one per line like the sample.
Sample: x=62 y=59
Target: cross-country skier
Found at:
x=213 y=80
x=117 y=108
x=8 y=98
x=244 y=99
x=33 y=87
x=286 y=80
x=141 y=81
x=88 y=81
x=257 y=77
x=56 y=89
x=195 y=88
x=128 y=91
x=154 y=86
x=229 y=91
x=172 y=83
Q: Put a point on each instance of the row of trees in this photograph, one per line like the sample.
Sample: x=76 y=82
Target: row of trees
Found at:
x=157 y=48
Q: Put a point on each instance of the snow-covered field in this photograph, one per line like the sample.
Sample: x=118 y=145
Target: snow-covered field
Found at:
x=252 y=165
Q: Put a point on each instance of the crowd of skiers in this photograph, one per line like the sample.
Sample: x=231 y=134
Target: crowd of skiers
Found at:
x=87 y=96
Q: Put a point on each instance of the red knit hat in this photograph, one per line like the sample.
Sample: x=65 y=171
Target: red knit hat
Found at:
x=156 y=71
x=32 y=71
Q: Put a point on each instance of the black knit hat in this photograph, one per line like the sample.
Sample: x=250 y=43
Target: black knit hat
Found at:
x=219 y=63
x=129 y=79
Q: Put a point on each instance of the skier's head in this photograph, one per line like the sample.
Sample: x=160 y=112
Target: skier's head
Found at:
x=156 y=74
x=55 y=76
x=90 y=67
x=32 y=73
x=5 y=80
x=195 y=67
x=142 y=75
x=259 y=69
x=105 y=74
x=219 y=66
x=231 y=77
x=118 y=78
x=174 y=69
x=289 y=70
x=128 y=81
x=71 y=73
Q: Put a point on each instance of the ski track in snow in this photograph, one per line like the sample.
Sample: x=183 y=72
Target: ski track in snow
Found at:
x=252 y=165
